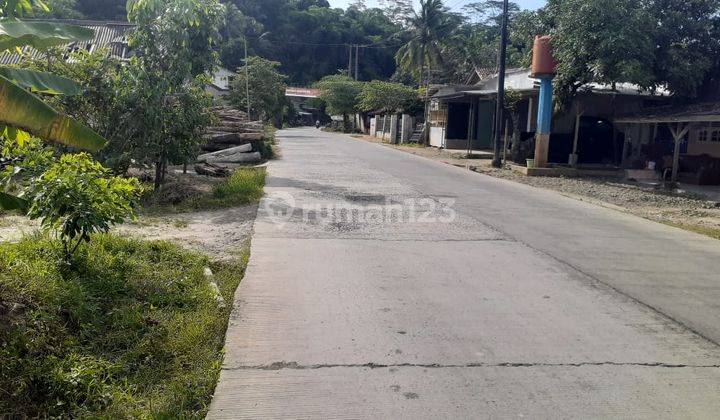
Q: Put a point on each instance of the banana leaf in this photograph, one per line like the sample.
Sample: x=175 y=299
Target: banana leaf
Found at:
x=40 y=35
x=22 y=109
x=41 y=82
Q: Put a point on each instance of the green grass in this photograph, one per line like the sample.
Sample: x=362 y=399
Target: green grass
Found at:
x=130 y=330
x=244 y=186
x=711 y=232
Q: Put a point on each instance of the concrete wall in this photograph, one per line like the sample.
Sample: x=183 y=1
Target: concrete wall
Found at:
x=394 y=121
x=408 y=126
x=697 y=147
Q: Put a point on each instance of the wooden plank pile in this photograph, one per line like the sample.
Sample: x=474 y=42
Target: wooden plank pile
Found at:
x=233 y=129
x=233 y=140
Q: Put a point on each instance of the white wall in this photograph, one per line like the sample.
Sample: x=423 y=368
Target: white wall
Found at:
x=437 y=136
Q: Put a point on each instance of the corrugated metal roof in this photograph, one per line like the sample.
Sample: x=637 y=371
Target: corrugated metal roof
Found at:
x=699 y=112
x=108 y=34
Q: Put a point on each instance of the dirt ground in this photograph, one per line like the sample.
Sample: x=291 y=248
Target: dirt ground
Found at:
x=220 y=234
x=687 y=210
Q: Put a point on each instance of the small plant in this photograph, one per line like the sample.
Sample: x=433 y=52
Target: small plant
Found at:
x=244 y=186
x=77 y=197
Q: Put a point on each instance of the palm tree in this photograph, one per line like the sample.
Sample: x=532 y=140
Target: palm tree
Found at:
x=426 y=29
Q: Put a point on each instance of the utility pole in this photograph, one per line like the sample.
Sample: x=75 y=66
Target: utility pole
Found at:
x=247 y=79
x=357 y=60
x=500 y=102
x=350 y=48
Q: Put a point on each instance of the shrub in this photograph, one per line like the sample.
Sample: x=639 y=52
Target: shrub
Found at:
x=77 y=197
x=131 y=330
x=244 y=186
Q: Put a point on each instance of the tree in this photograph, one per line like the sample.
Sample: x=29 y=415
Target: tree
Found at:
x=656 y=43
x=387 y=97
x=340 y=94
x=400 y=11
x=427 y=29
x=62 y=9
x=77 y=196
x=310 y=39
x=601 y=41
x=176 y=43
x=267 y=89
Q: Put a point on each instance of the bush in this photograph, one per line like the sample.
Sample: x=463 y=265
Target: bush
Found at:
x=131 y=330
x=77 y=197
x=244 y=186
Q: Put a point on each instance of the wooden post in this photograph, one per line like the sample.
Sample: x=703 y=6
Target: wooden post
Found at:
x=678 y=134
x=574 y=157
x=530 y=114
x=470 y=129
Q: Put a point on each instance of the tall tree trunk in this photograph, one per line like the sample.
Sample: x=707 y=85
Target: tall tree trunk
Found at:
x=424 y=139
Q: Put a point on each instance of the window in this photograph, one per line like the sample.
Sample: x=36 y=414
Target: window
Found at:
x=709 y=134
x=702 y=135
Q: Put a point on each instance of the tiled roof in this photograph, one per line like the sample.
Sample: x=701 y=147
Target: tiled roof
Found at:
x=110 y=35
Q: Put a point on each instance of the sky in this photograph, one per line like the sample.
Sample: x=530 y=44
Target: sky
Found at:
x=455 y=4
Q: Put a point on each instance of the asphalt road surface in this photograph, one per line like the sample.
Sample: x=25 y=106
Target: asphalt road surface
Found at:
x=384 y=285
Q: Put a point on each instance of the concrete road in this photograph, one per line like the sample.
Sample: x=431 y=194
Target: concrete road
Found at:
x=384 y=285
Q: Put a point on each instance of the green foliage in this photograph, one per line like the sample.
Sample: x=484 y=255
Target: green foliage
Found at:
x=267 y=89
x=387 y=97
x=23 y=158
x=604 y=42
x=309 y=38
x=20 y=8
x=427 y=29
x=650 y=43
x=176 y=42
x=76 y=197
x=64 y=9
x=41 y=82
x=176 y=39
x=244 y=186
x=340 y=94
x=131 y=330
x=39 y=35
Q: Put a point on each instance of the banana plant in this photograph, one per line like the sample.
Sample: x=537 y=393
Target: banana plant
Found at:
x=20 y=107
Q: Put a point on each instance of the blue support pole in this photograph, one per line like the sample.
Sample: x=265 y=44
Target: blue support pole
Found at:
x=544 y=122
x=545 y=106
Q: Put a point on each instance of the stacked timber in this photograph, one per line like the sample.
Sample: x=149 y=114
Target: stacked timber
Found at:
x=234 y=139
x=233 y=129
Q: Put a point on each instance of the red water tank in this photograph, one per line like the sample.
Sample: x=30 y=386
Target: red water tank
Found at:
x=543 y=62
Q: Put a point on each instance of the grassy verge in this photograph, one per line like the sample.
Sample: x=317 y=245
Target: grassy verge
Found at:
x=131 y=330
x=711 y=232
x=244 y=186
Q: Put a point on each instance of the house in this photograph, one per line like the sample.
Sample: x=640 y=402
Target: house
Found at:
x=583 y=132
x=221 y=82
x=679 y=143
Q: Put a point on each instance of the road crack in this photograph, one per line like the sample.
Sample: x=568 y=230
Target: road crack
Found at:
x=297 y=366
